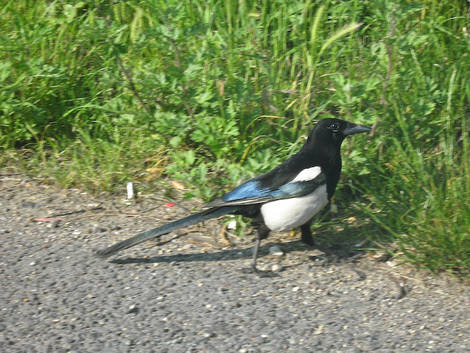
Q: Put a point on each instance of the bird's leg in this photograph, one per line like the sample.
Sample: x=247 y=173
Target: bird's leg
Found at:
x=255 y=253
x=307 y=233
x=263 y=233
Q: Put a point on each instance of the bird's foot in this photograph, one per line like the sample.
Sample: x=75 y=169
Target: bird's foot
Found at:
x=260 y=273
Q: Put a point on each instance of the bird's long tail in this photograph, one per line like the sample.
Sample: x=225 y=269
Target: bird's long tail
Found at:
x=167 y=228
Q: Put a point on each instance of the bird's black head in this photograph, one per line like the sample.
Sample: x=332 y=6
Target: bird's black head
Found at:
x=334 y=131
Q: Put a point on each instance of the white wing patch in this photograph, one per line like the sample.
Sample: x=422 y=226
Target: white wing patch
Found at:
x=307 y=174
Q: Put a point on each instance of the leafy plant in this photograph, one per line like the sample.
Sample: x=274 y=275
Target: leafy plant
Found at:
x=210 y=92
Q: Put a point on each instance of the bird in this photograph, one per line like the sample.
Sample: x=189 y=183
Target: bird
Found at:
x=285 y=198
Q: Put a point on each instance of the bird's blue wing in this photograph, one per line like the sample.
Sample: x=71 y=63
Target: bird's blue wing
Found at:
x=250 y=189
x=253 y=192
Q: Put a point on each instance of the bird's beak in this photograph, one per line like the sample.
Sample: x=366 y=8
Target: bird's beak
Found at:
x=352 y=129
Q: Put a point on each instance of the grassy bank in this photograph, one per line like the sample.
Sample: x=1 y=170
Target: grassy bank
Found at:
x=95 y=93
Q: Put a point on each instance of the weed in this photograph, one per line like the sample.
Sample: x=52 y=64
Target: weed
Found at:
x=98 y=93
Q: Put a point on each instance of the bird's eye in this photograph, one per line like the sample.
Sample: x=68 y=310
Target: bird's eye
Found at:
x=334 y=127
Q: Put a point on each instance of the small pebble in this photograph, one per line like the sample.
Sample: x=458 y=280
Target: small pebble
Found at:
x=276 y=250
x=221 y=290
x=97 y=229
x=186 y=247
x=54 y=224
x=133 y=309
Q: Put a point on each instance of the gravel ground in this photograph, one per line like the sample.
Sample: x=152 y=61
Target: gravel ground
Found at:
x=190 y=295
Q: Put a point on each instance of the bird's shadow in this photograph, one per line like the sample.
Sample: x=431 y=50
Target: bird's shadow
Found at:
x=333 y=254
x=230 y=254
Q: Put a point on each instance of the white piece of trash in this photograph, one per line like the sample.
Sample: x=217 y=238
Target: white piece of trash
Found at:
x=130 y=190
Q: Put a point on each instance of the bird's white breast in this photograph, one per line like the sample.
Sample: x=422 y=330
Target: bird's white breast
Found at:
x=291 y=213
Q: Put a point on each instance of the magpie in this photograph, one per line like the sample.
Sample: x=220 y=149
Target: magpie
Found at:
x=284 y=198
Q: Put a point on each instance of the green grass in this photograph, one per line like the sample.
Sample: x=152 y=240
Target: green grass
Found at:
x=96 y=93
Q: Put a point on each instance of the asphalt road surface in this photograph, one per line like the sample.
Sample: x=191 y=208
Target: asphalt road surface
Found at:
x=190 y=295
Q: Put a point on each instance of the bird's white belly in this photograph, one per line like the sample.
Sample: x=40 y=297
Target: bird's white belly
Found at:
x=291 y=213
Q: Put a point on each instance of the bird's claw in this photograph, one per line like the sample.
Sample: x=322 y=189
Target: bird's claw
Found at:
x=261 y=273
